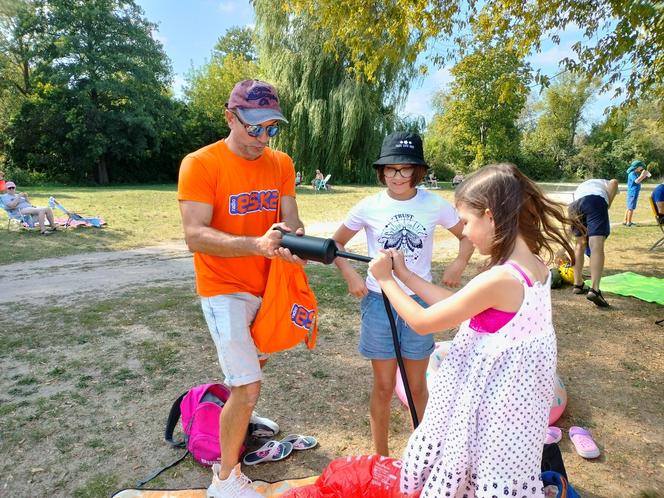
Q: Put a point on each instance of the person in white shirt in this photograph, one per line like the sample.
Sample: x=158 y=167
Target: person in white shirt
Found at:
x=590 y=208
x=404 y=218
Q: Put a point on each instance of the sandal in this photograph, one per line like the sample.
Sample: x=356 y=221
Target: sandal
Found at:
x=300 y=442
x=271 y=451
x=45 y=232
x=596 y=297
x=580 y=289
x=583 y=442
x=553 y=435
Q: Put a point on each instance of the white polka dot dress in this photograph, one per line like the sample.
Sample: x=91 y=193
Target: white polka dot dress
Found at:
x=483 y=430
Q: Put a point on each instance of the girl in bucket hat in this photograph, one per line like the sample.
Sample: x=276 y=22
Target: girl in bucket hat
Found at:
x=400 y=217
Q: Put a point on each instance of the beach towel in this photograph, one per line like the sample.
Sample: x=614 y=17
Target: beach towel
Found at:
x=267 y=489
x=649 y=289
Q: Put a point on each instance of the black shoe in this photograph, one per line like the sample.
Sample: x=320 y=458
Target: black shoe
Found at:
x=580 y=289
x=596 y=297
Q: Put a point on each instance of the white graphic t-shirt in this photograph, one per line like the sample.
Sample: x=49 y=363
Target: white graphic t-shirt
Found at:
x=407 y=226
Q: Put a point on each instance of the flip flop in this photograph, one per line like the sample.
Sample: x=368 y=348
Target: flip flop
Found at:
x=583 y=442
x=553 y=435
x=271 y=451
x=300 y=442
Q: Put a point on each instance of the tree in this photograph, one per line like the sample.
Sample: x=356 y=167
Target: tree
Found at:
x=208 y=88
x=478 y=122
x=102 y=83
x=236 y=41
x=553 y=139
x=633 y=134
x=623 y=39
x=337 y=121
x=20 y=32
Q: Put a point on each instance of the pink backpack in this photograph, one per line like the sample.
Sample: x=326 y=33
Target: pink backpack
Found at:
x=199 y=409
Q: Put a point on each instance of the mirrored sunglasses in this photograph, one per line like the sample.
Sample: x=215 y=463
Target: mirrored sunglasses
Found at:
x=257 y=130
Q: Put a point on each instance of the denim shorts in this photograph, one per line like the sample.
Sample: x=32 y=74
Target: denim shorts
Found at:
x=229 y=317
x=631 y=200
x=376 y=341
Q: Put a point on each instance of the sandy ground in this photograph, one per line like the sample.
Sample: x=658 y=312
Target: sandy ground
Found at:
x=59 y=279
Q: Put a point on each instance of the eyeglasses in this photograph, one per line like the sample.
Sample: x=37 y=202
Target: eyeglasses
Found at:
x=257 y=130
x=11 y=188
x=390 y=172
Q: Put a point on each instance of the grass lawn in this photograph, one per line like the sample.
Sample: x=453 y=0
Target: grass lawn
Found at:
x=87 y=384
x=137 y=217
x=141 y=216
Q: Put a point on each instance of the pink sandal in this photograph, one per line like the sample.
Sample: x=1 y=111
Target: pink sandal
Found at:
x=583 y=442
x=553 y=435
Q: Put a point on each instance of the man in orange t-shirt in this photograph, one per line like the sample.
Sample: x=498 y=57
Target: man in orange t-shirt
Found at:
x=229 y=194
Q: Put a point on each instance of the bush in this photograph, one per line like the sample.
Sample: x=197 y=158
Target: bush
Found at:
x=24 y=176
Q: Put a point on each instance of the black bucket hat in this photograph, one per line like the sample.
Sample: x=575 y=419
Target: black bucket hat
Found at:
x=401 y=148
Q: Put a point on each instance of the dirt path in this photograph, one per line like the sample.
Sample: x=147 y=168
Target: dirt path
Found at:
x=66 y=278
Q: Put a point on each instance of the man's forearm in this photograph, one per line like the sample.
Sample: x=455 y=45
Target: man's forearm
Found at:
x=208 y=240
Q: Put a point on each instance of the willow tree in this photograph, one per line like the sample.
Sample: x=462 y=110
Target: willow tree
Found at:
x=337 y=121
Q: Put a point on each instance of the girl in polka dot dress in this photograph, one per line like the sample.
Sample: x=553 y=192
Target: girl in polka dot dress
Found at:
x=484 y=426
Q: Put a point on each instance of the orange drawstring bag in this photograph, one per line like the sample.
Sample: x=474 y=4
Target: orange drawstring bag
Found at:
x=288 y=312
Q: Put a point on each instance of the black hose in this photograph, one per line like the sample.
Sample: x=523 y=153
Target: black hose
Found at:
x=325 y=251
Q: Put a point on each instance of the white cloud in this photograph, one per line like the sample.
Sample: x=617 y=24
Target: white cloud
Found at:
x=178 y=85
x=418 y=102
x=550 y=59
x=227 y=7
x=159 y=37
x=442 y=78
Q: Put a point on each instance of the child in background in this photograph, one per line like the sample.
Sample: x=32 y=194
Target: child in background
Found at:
x=401 y=217
x=484 y=426
x=636 y=174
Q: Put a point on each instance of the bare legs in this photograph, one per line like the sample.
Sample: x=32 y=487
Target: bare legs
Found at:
x=628 y=216
x=384 y=381
x=596 y=243
x=579 y=250
x=233 y=424
x=42 y=214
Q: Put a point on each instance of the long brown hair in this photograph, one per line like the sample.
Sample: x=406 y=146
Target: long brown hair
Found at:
x=518 y=206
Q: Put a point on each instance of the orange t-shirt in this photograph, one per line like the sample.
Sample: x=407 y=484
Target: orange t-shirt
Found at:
x=244 y=195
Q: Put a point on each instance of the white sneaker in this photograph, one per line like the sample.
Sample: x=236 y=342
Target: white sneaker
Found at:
x=236 y=486
x=262 y=426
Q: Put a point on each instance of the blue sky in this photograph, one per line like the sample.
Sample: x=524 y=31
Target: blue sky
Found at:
x=188 y=29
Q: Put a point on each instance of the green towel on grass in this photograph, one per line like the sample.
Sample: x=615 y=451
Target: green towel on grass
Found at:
x=649 y=289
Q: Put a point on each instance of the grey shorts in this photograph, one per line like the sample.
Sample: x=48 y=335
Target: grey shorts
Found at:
x=229 y=317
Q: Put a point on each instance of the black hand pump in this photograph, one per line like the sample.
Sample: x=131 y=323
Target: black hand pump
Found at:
x=325 y=251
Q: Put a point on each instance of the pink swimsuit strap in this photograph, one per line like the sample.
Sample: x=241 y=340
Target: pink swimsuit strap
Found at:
x=520 y=270
x=492 y=320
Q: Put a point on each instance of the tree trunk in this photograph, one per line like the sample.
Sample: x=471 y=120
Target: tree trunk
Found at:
x=101 y=172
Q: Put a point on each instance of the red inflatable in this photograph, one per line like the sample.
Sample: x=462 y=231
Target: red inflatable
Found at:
x=372 y=476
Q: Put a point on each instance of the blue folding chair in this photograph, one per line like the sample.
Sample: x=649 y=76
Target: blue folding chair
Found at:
x=15 y=216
